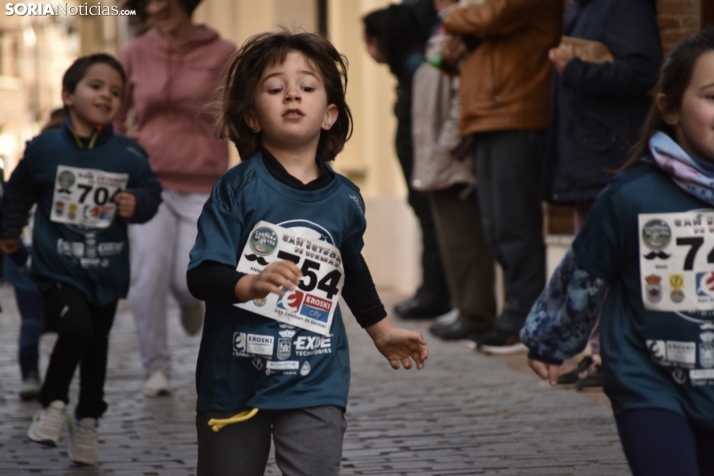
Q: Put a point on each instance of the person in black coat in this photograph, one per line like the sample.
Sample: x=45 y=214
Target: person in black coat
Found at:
x=597 y=112
x=395 y=36
x=598 y=109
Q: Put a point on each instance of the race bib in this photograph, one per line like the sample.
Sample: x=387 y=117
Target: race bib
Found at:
x=86 y=196
x=311 y=305
x=677 y=260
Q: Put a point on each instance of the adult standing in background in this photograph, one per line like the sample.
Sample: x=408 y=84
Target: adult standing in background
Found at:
x=395 y=36
x=505 y=92
x=599 y=107
x=173 y=70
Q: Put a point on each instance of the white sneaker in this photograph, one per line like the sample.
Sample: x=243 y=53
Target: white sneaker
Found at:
x=47 y=424
x=157 y=384
x=192 y=317
x=83 y=444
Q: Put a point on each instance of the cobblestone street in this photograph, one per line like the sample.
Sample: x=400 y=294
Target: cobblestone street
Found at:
x=464 y=414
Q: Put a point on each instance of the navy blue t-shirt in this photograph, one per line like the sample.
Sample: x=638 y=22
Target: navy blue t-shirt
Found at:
x=232 y=374
x=68 y=181
x=639 y=373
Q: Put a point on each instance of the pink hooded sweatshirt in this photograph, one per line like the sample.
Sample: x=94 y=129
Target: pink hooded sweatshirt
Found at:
x=168 y=87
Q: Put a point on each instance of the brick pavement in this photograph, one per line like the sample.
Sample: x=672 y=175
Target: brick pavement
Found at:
x=465 y=414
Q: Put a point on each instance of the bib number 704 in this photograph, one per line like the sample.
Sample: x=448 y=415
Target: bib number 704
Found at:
x=328 y=283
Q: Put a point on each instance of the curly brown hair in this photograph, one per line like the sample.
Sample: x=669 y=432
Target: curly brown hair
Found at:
x=245 y=70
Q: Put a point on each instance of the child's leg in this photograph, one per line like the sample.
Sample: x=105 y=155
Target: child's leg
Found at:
x=308 y=441
x=240 y=449
x=658 y=443
x=93 y=364
x=29 y=304
x=75 y=333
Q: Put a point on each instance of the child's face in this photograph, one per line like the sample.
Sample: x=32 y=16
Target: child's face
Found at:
x=97 y=97
x=291 y=103
x=694 y=123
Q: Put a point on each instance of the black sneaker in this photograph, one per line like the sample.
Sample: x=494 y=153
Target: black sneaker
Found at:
x=594 y=379
x=498 y=342
x=573 y=376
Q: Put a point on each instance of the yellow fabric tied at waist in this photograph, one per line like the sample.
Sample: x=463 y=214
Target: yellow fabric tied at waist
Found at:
x=216 y=424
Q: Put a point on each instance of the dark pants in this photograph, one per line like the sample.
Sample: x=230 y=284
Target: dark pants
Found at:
x=468 y=263
x=29 y=303
x=83 y=338
x=433 y=279
x=508 y=168
x=308 y=442
x=663 y=443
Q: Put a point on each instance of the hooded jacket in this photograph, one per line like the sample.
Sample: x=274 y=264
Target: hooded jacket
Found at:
x=169 y=86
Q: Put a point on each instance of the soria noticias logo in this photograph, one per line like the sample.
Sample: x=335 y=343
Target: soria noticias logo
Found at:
x=57 y=9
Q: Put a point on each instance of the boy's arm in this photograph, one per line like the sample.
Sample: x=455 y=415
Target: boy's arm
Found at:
x=146 y=189
x=399 y=346
x=148 y=200
x=360 y=294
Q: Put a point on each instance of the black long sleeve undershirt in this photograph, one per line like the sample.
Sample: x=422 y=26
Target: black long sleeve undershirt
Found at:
x=213 y=281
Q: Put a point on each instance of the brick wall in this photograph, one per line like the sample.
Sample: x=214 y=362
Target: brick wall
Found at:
x=678 y=19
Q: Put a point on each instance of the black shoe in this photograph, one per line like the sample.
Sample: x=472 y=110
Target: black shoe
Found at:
x=573 y=376
x=452 y=330
x=594 y=379
x=498 y=342
x=421 y=307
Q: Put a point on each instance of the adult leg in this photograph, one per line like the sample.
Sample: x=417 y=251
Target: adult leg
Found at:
x=658 y=443
x=93 y=364
x=151 y=254
x=468 y=263
x=240 y=449
x=187 y=208
x=508 y=167
x=75 y=334
x=433 y=296
x=308 y=441
x=31 y=310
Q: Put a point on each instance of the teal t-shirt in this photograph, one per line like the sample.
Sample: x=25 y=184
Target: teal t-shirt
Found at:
x=247 y=360
x=652 y=359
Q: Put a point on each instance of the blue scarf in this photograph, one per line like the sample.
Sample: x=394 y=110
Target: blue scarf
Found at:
x=692 y=175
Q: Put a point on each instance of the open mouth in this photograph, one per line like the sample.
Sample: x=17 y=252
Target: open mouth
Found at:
x=293 y=114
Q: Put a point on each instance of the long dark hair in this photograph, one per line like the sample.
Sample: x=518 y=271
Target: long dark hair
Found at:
x=674 y=80
x=245 y=70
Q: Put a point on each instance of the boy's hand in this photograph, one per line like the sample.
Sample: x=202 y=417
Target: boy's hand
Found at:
x=126 y=204
x=398 y=344
x=9 y=245
x=275 y=276
x=545 y=371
